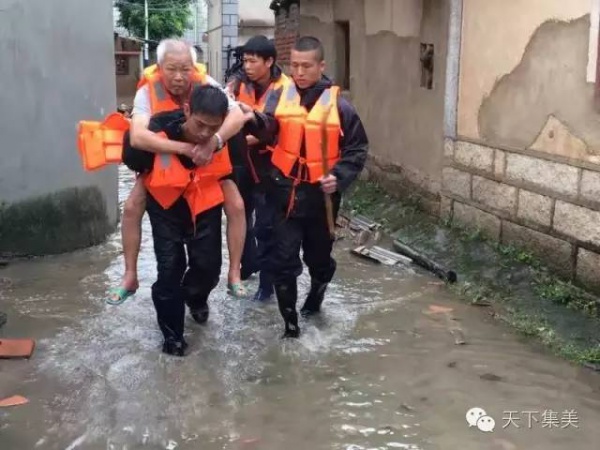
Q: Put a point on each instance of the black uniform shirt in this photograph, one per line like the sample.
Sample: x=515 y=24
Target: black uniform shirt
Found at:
x=142 y=161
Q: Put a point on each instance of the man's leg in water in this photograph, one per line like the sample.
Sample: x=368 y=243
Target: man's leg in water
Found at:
x=131 y=233
x=236 y=230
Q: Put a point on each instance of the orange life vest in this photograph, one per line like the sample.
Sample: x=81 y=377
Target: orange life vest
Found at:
x=200 y=187
x=101 y=143
x=95 y=137
x=150 y=71
x=169 y=179
x=160 y=99
x=298 y=126
x=248 y=96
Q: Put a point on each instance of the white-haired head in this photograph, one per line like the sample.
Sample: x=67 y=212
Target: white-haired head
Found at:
x=176 y=46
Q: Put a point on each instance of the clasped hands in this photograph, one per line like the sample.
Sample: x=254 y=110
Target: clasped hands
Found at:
x=200 y=154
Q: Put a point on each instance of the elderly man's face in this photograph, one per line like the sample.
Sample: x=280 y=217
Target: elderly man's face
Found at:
x=177 y=69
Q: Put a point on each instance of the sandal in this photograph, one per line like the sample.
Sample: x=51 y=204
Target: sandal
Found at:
x=118 y=296
x=236 y=289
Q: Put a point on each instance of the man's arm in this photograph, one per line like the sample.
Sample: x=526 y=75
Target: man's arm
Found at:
x=142 y=137
x=232 y=125
x=234 y=121
x=354 y=146
x=265 y=126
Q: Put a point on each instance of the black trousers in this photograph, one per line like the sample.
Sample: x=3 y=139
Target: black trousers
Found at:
x=290 y=235
x=259 y=222
x=184 y=280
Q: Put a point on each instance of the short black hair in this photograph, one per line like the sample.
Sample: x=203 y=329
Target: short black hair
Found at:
x=209 y=100
x=309 y=44
x=260 y=46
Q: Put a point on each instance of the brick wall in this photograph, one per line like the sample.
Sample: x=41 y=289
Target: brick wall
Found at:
x=540 y=203
x=287 y=25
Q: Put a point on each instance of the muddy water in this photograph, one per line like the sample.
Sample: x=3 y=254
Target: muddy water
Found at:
x=379 y=370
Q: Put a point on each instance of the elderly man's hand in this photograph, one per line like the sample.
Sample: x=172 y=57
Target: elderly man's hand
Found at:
x=202 y=154
x=187 y=149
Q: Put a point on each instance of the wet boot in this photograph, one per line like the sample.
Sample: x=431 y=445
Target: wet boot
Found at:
x=265 y=288
x=315 y=297
x=199 y=311
x=287 y=296
x=174 y=347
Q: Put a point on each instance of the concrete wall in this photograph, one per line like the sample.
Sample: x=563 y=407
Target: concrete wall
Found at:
x=524 y=166
x=57 y=68
x=255 y=17
x=404 y=120
x=222 y=33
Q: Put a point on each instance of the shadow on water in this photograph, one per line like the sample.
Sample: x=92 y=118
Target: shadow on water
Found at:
x=374 y=372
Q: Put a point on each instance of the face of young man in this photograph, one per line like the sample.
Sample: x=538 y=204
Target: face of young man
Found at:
x=176 y=72
x=257 y=69
x=307 y=70
x=200 y=127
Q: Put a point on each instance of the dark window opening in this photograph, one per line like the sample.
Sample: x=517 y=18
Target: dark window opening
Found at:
x=427 y=55
x=122 y=64
x=342 y=49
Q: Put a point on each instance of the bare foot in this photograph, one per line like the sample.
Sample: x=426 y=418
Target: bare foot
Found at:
x=234 y=276
x=130 y=281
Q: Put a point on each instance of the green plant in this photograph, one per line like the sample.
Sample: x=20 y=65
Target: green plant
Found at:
x=165 y=19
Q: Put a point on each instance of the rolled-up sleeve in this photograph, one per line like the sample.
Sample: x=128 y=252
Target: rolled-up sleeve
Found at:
x=141 y=102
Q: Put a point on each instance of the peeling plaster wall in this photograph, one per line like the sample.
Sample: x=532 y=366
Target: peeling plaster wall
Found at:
x=525 y=167
x=404 y=121
x=545 y=103
x=514 y=76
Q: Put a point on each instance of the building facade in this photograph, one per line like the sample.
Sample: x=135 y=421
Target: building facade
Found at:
x=486 y=109
x=230 y=24
x=59 y=75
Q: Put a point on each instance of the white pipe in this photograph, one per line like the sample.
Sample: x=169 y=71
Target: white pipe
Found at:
x=453 y=68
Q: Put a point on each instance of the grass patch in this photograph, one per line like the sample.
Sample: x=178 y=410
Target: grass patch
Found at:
x=522 y=292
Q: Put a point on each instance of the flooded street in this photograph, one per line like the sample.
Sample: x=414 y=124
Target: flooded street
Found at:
x=379 y=370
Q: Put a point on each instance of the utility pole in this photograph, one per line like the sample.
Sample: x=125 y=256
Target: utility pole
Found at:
x=196 y=40
x=146 y=37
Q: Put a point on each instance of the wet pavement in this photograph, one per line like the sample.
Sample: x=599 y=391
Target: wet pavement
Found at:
x=381 y=369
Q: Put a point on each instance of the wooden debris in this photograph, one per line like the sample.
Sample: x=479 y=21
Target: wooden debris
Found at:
x=380 y=255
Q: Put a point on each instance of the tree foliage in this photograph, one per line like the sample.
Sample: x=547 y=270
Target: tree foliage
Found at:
x=166 y=18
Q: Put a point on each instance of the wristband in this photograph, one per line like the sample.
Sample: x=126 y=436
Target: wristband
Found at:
x=220 y=143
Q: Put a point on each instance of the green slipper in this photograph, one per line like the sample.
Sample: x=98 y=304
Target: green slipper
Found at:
x=118 y=296
x=237 y=290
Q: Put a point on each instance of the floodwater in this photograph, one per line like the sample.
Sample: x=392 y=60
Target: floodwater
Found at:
x=381 y=369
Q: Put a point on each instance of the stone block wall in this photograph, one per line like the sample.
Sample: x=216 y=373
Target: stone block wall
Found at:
x=544 y=204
